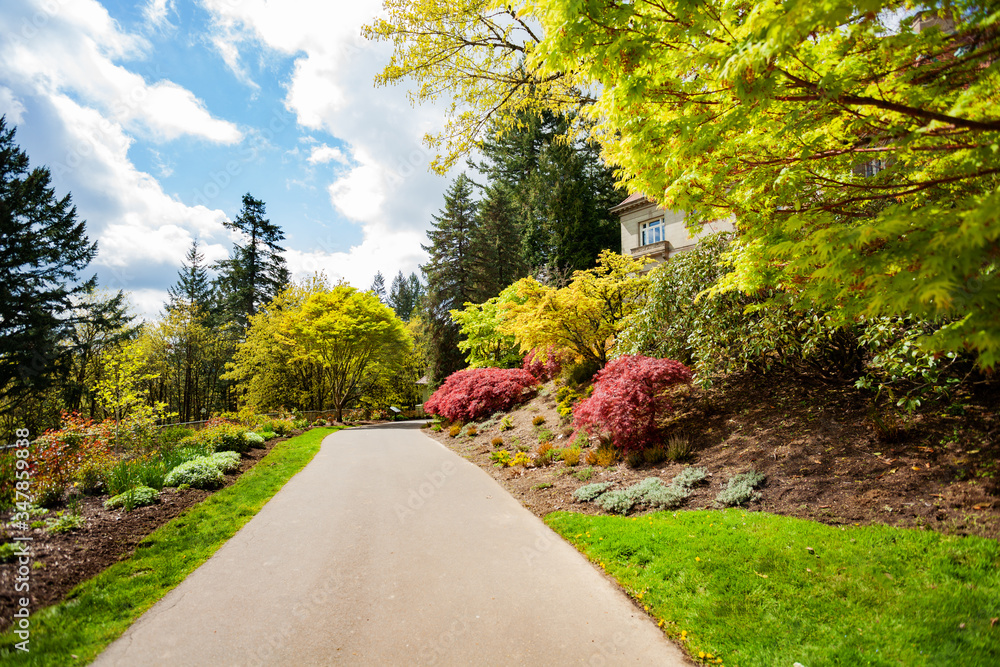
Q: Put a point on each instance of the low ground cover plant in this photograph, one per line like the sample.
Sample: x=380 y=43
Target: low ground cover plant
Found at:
x=651 y=492
x=629 y=399
x=140 y=496
x=199 y=473
x=812 y=593
x=740 y=489
x=474 y=394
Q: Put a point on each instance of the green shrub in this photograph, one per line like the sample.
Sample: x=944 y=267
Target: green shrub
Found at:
x=140 y=496
x=7 y=552
x=585 y=474
x=253 y=439
x=591 y=491
x=635 y=459
x=545 y=435
x=171 y=435
x=49 y=495
x=580 y=373
x=90 y=477
x=300 y=424
x=740 y=489
x=506 y=424
x=226 y=461
x=199 y=473
x=268 y=435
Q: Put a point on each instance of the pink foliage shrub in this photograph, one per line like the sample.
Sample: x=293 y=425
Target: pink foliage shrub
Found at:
x=545 y=369
x=628 y=398
x=476 y=393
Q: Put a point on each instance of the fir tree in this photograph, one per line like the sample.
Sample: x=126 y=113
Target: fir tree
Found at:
x=43 y=250
x=192 y=284
x=255 y=272
x=496 y=244
x=378 y=286
x=404 y=295
x=449 y=276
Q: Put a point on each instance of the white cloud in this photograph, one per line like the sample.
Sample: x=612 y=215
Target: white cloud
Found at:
x=389 y=190
x=322 y=154
x=73 y=51
x=383 y=249
x=10 y=106
x=155 y=12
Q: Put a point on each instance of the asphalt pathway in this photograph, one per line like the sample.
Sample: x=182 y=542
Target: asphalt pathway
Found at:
x=389 y=549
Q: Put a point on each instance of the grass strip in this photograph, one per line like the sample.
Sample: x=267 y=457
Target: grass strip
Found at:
x=99 y=610
x=745 y=588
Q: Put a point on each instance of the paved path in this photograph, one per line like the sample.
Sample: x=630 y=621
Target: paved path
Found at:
x=389 y=549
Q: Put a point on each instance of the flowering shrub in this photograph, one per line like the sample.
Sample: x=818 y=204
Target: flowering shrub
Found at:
x=58 y=456
x=219 y=435
x=476 y=393
x=628 y=398
x=544 y=366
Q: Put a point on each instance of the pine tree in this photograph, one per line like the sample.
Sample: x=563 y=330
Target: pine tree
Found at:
x=255 y=272
x=192 y=284
x=448 y=272
x=378 y=286
x=43 y=250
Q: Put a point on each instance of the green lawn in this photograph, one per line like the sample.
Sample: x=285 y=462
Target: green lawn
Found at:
x=745 y=588
x=100 y=609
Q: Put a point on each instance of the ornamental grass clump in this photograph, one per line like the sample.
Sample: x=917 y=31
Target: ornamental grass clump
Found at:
x=740 y=489
x=474 y=394
x=628 y=400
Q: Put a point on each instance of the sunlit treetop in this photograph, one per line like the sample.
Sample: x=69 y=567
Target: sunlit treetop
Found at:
x=473 y=55
x=857 y=144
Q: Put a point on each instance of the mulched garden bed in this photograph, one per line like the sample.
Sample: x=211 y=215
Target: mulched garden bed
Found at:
x=63 y=560
x=824 y=457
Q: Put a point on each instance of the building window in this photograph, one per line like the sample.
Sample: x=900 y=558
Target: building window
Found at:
x=651 y=232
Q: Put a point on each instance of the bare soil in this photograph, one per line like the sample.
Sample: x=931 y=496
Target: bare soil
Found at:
x=824 y=456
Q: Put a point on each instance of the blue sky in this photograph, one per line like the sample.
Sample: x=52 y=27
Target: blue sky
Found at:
x=159 y=115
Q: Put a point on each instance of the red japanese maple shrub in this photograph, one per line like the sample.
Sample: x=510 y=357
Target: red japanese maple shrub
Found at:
x=476 y=393
x=629 y=397
x=544 y=366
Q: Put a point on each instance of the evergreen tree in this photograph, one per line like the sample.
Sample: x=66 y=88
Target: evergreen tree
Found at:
x=496 y=244
x=378 y=286
x=448 y=272
x=405 y=294
x=43 y=249
x=192 y=283
x=560 y=193
x=255 y=272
